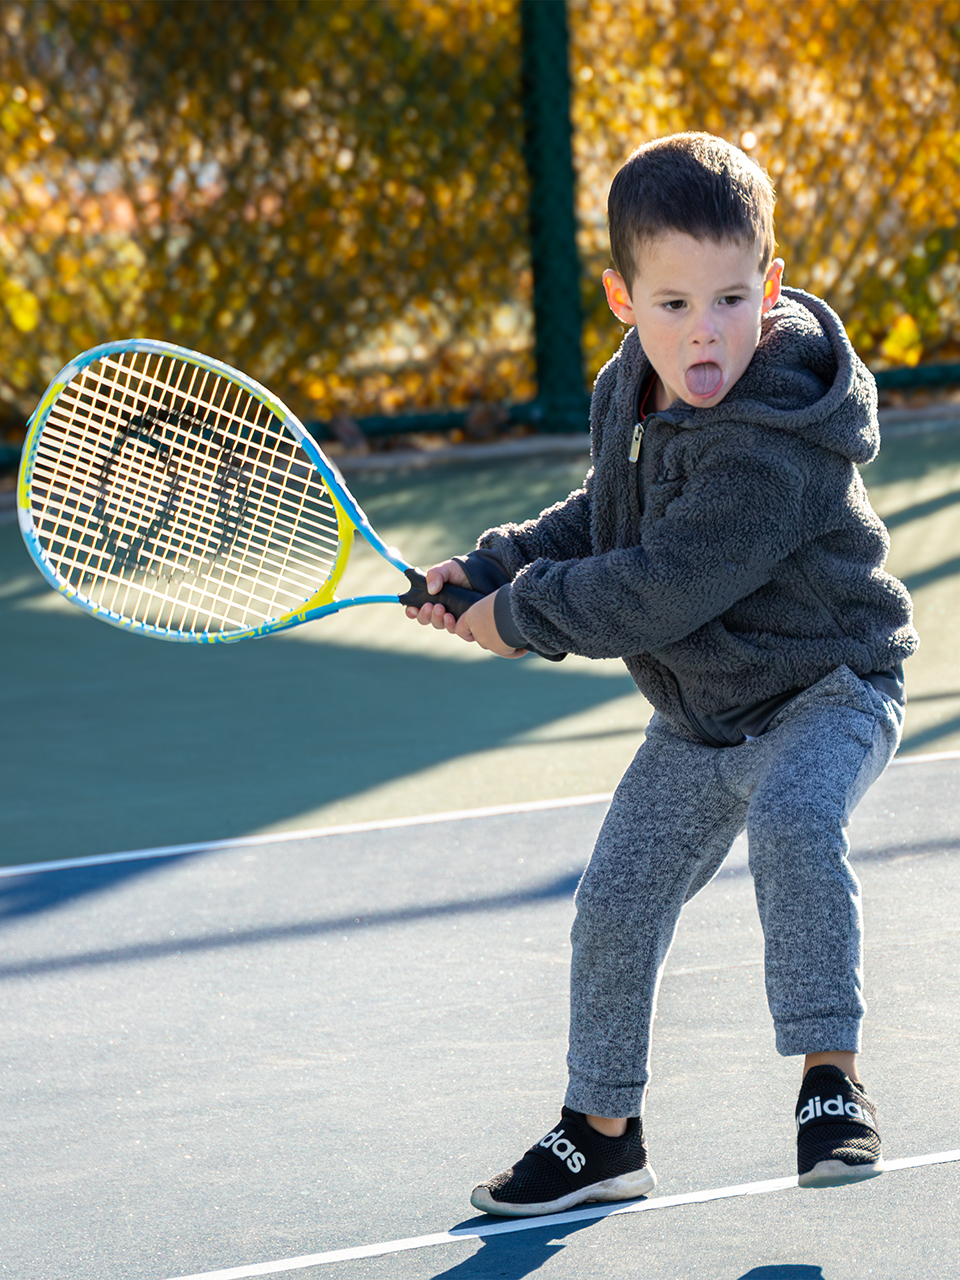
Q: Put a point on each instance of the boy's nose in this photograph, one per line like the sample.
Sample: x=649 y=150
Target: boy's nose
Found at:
x=704 y=331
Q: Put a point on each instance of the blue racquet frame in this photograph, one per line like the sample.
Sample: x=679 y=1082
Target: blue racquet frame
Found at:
x=350 y=516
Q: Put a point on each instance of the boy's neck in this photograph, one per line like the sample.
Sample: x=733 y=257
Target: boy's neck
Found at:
x=659 y=398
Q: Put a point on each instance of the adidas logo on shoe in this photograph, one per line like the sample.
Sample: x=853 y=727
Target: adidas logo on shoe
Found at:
x=564 y=1148
x=837 y=1138
x=835 y=1108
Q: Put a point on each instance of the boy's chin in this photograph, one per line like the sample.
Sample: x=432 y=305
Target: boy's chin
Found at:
x=706 y=402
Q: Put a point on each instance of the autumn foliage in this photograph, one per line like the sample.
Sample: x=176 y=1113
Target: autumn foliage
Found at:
x=852 y=107
x=332 y=196
x=328 y=196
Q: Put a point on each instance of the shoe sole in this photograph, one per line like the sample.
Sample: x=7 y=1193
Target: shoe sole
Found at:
x=629 y=1186
x=834 y=1173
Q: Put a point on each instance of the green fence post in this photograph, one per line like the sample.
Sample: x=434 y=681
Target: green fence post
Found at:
x=553 y=229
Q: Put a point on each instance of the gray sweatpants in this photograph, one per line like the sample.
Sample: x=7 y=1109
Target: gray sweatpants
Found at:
x=670 y=825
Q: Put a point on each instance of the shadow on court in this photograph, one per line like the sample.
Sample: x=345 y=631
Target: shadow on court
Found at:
x=124 y=743
x=35 y=893
x=512 y=1257
x=787 y=1272
x=112 y=742
x=22 y=896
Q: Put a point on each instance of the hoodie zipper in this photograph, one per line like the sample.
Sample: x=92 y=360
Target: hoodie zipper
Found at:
x=644 y=387
x=636 y=442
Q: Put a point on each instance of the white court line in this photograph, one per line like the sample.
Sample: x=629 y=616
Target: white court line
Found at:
x=313 y=833
x=529 y=1224
x=927 y=758
x=350 y=828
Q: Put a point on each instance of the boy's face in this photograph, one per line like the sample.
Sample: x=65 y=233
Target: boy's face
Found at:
x=697 y=307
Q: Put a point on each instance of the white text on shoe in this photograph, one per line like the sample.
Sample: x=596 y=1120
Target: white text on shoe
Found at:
x=816 y=1107
x=564 y=1148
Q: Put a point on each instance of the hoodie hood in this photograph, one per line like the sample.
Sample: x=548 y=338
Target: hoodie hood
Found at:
x=805 y=378
x=730 y=555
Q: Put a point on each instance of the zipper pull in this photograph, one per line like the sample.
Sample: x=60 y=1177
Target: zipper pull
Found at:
x=635 y=443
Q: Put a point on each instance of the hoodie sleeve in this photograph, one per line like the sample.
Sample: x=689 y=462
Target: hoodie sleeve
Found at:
x=720 y=539
x=562 y=532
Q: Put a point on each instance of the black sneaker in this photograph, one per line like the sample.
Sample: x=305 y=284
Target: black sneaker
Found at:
x=572 y=1164
x=837 y=1138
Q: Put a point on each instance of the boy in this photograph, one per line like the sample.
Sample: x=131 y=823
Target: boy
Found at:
x=724 y=547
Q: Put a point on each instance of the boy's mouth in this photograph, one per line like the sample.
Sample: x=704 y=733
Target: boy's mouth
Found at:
x=704 y=380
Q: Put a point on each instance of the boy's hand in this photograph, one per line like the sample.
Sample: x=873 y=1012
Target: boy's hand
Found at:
x=478 y=624
x=475 y=626
x=435 y=615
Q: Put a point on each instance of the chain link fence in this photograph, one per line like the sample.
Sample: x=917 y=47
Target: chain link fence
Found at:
x=331 y=197
x=381 y=209
x=852 y=107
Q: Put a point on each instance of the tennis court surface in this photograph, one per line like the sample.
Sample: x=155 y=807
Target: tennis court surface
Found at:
x=266 y=1059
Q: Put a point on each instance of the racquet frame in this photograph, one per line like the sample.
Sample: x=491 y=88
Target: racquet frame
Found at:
x=350 y=516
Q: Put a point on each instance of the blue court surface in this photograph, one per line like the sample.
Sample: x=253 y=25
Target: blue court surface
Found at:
x=297 y=1057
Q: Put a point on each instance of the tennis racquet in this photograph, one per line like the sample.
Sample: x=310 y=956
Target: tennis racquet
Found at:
x=170 y=495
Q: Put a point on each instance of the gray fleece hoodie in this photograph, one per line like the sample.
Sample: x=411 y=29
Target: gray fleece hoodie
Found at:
x=739 y=558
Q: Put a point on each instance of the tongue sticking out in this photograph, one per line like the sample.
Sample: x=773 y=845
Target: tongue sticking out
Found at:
x=704 y=379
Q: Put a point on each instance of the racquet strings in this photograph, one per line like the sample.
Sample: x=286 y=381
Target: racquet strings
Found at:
x=172 y=497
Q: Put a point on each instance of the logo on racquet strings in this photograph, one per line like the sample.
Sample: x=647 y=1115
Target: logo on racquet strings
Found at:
x=171 y=496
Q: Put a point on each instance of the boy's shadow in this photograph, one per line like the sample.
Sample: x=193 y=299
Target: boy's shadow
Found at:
x=784 y=1271
x=514 y=1255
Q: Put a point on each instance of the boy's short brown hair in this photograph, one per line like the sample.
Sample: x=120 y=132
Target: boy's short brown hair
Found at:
x=693 y=183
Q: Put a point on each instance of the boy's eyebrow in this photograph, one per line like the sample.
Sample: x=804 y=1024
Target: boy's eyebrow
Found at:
x=667 y=292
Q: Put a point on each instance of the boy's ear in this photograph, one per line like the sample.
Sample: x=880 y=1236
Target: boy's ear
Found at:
x=771 y=285
x=618 y=297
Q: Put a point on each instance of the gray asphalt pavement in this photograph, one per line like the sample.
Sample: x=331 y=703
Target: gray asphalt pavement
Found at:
x=222 y=1061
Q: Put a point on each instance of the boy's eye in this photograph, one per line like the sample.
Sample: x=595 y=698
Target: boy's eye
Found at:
x=732 y=299
x=675 y=305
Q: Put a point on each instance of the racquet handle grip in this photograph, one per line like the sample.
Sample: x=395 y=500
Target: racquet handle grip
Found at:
x=457 y=599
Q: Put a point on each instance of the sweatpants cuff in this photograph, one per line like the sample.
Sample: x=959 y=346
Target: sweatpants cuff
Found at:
x=818 y=1035
x=594 y=1099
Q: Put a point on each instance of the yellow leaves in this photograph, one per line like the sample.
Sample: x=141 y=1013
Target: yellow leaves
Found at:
x=242 y=195
x=60 y=308
x=903 y=343
x=295 y=99
x=314 y=388
x=23 y=307
x=851 y=104
x=35 y=193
